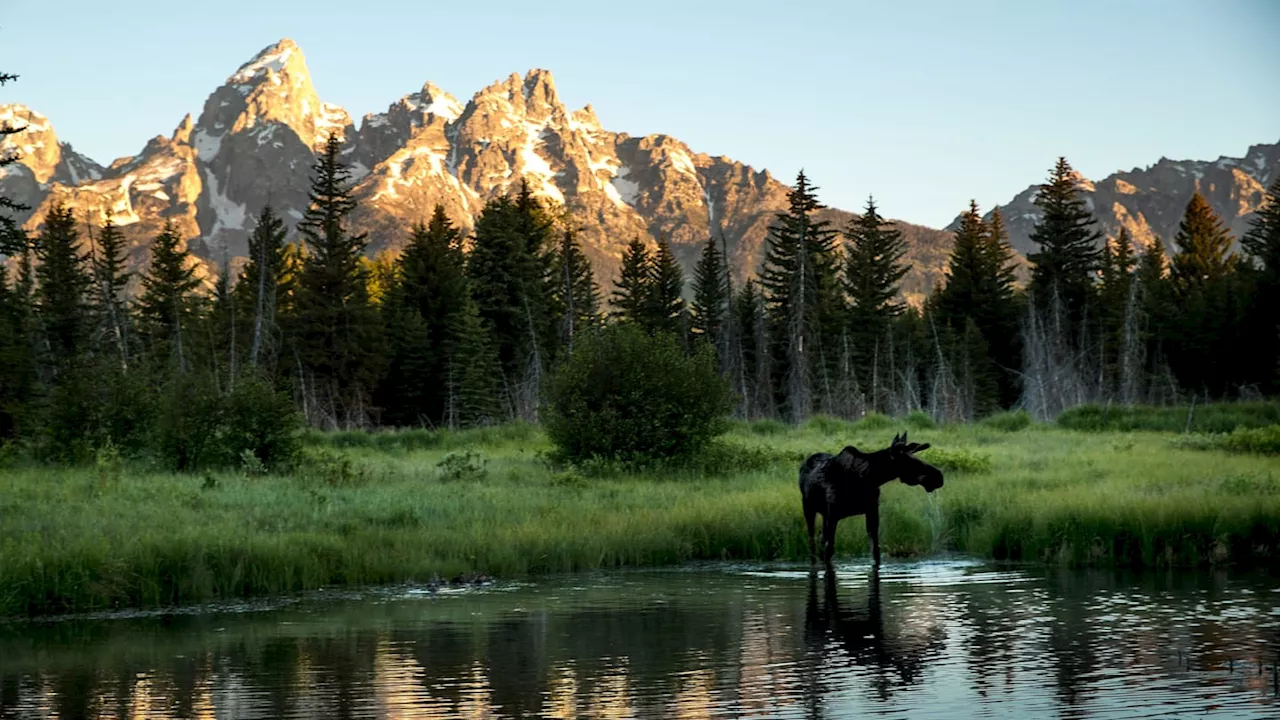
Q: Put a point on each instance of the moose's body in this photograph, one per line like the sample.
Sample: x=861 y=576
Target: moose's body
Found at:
x=848 y=484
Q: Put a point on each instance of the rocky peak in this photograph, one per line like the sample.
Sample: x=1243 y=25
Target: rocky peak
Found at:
x=42 y=159
x=1149 y=202
x=272 y=88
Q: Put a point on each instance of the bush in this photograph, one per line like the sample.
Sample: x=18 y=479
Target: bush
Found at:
x=628 y=395
x=874 y=421
x=1211 y=418
x=1261 y=441
x=1010 y=421
x=919 y=420
x=958 y=460
x=200 y=427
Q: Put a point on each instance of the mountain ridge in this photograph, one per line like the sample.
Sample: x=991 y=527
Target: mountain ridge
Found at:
x=255 y=138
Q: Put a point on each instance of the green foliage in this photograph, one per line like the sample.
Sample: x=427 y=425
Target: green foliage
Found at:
x=464 y=464
x=665 y=306
x=336 y=325
x=1068 y=257
x=625 y=394
x=803 y=297
x=167 y=305
x=874 y=421
x=1213 y=418
x=576 y=297
x=872 y=275
x=509 y=270
x=919 y=420
x=1008 y=421
x=958 y=460
x=633 y=286
x=710 y=295
x=62 y=292
x=201 y=427
x=1260 y=441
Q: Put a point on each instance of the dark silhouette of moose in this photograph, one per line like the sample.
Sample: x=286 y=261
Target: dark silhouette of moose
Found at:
x=840 y=486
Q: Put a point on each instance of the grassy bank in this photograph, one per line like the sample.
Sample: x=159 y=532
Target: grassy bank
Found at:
x=410 y=506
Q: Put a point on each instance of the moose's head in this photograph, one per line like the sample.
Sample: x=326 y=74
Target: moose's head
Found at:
x=911 y=469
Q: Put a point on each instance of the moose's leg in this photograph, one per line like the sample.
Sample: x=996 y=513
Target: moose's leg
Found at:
x=809 y=513
x=873 y=532
x=828 y=538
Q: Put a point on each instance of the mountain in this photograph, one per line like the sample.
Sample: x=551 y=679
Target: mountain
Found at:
x=256 y=137
x=1150 y=201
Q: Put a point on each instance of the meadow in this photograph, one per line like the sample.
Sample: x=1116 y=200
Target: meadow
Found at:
x=414 y=506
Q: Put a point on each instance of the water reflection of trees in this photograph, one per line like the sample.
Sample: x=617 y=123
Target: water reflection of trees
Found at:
x=719 y=650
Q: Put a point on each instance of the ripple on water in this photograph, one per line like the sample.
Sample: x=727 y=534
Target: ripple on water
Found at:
x=948 y=638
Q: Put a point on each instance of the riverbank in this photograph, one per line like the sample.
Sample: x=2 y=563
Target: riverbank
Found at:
x=409 y=507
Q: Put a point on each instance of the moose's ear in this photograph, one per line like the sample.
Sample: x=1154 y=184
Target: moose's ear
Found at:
x=897 y=440
x=917 y=447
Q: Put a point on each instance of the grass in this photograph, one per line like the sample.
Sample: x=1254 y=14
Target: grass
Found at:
x=407 y=506
x=1211 y=418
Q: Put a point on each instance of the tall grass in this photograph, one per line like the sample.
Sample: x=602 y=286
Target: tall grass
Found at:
x=1211 y=418
x=392 y=507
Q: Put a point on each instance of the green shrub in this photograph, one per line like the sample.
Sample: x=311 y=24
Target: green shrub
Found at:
x=628 y=395
x=768 y=426
x=1210 y=418
x=462 y=465
x=827 y=425
x=958 y=460
x=874 y=421
x=1259 y=441
x=1009 y=421
x=200 y=427
x=919 y=420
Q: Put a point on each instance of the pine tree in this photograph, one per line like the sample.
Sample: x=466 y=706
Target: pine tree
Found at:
x=111 y=277
x=1069 y=257
x=423 y=310
x=1114 y=294
x=511 y=282
x=260 y=286
x=1262 y=242
x=63 y=290
x=337 y=327
x=979 y=292
x=1204 y=248
x=665 y=307
x=577 y=296
x=634 y=285
x=166 y=307
x=756 y=363
x=17 y=366
x=801 y=288
x=12 y=239
x=873 y=273
x=473 y=373
x=711 y=297
x=1206 y=288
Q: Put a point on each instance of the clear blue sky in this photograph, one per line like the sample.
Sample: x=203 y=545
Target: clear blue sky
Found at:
x=924 y=104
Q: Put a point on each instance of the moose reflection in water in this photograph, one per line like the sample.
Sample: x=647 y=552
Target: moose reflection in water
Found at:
x=847 y=484
x=893 y=653
x=932 y=639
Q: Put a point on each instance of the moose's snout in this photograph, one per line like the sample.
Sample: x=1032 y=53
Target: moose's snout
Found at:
x=931 y=479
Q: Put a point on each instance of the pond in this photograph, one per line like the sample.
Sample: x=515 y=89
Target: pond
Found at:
x=948 y=638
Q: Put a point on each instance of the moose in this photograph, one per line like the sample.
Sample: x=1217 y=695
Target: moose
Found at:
x=847 y=484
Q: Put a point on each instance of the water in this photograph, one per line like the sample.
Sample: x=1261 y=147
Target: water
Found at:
x=932 y=640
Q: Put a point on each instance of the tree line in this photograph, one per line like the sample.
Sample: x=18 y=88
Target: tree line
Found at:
x=463 y=329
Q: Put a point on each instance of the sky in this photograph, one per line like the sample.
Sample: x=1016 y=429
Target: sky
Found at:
x=924 y=105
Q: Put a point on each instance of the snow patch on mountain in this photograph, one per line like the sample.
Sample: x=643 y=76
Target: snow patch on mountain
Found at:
x=228 y=215
x=627 y=191
x=273 y=60
x=206 y=145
